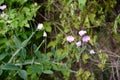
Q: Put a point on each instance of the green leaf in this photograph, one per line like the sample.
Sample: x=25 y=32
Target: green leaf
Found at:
x=2 y=56
x=54 y=66
x=23 y=53
x=92 y=18
x=25 y=42
x=23 y=74
x=47 y=26
x=54 y=53
x=52 y=44
x=49 y=29
x=3 y=40
x=85 y=57
x=17 y=42
x=21 y=1
x=48 y=72
x=27 y=25
x=117 y=21
x=1 y=71
x=81 y=3
x=87 y=22
x=82 y=50
x=36 y=68
x=79 y=72
x=9 y=67
x=69 y=1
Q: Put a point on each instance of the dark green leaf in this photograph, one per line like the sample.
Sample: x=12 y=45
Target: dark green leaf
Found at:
x=83 y=49
x=17 y=42
x=23 y=53
x=23 y=74
x=1 y=71
x=36 y=68
x=9 y=67
x=2 y=56
x=25 y=42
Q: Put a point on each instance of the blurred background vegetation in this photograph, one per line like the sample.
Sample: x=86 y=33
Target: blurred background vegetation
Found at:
x=25 y=54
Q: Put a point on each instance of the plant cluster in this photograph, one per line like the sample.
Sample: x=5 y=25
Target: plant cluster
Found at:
x=59 y=40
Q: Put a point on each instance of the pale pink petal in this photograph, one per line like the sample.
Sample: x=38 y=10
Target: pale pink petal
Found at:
x=86 y=38
x=70 y=38
x=78 y=43
x=3 y=7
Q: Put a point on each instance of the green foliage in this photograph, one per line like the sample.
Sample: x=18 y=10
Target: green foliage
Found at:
x=84 y=75
x=23 y=74
x=116 y=23
x=26 y=54
x=103 y=58
x=17 y=17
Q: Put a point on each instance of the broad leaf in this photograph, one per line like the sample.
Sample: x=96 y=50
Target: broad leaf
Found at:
x=36 y=68
x=23 y=74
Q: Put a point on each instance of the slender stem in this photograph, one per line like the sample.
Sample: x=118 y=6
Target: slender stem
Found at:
x=14 y=55
x=18 y=50
x=39 y=45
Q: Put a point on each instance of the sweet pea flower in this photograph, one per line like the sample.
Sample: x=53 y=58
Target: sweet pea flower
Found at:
x=92 y=51
x=82 y=32
x=78 y=43
x=44 y=34
x=86 y=38
x=70 y=38
x=40 y=26
x=3 y=7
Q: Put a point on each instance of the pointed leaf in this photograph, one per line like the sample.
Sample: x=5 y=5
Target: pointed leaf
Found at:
x=9 y=67
x=2 y=56
x=48 y=72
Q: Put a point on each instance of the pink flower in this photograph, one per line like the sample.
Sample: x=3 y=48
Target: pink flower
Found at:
x=3 y=7
x=92 y=51
x=70 y=38
x=86 y=38
x=82 y=32
x=78 y=43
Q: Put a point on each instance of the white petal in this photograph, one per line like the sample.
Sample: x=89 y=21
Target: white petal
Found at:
x=92 y=51
x=44 y=34
x=78 y=43
x=82 y=32
x=40 y=26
